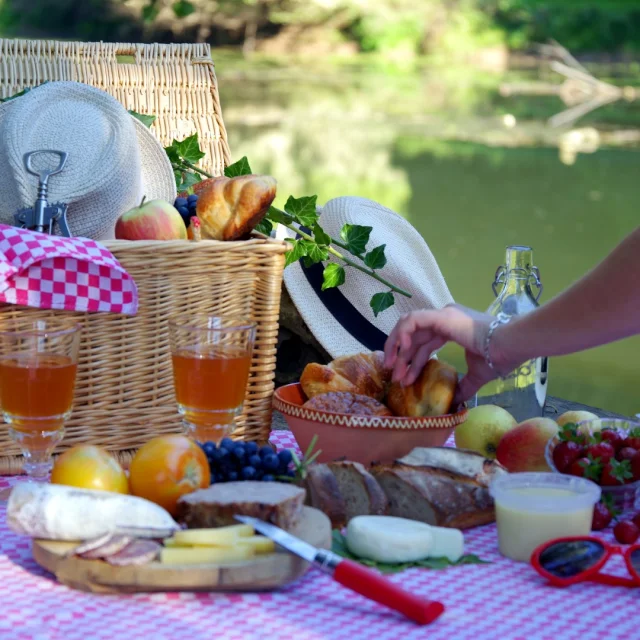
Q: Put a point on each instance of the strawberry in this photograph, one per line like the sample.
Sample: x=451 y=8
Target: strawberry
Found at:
x=636 y=520
x=626 y=532
x=613 y=437
x=569 y=433
x=635 y=466
x=615 y=473
x=601 y=517
x=602 y=451
x=586 y=467
x=633 y=438
x=626 y=453
x=565 y=454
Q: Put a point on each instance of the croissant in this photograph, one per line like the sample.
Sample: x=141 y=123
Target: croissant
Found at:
x=230 y=208
x=362 y=373
x=430 y=395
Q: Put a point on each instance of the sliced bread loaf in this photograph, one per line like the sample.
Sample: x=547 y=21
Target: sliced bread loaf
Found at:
x=360 y=491
x=435 y=496
x=324 y=493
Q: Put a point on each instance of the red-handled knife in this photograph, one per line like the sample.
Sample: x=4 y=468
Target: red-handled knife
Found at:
x=352 y=575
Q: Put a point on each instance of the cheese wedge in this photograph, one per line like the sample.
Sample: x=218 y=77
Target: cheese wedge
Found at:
x=205 y=555
x=220 y=537
x=259 y=544
x=394 y=540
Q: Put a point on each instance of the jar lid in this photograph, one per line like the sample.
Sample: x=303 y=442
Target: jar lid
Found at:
x=544 y=492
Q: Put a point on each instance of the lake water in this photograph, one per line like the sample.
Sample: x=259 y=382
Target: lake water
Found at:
x=473 y=171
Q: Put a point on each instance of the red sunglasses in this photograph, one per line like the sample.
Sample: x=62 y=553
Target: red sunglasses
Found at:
x=567 y=561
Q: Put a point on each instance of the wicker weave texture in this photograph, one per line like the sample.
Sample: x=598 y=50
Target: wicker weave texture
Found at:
x=124 y=390
x=175 y=82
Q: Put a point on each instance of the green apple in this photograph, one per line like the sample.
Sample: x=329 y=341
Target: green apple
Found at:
x=483 y=429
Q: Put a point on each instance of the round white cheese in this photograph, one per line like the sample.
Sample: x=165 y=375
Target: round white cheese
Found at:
x=389 y=539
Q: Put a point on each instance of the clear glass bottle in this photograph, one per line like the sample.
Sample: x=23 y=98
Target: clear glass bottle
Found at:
x=522 y=393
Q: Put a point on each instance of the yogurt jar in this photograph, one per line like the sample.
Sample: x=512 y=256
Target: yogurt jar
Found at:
x=532 y=508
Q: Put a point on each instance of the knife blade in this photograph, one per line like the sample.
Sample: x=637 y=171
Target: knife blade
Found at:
x=352 y=575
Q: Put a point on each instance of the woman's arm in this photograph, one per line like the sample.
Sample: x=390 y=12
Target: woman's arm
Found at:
x=602 y=307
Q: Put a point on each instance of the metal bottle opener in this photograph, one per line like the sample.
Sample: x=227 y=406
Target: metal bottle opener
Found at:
x=43 y=216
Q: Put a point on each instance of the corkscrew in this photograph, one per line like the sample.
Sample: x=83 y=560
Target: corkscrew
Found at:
x=44 y=217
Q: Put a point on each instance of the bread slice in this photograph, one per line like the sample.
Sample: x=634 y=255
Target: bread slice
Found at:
x=435 y=496
x=360 y=491
x=277 y=502
x=462 y=462
x=324 y=493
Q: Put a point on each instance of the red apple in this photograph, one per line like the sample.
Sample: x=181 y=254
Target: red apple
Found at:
x=153 y=220
x=522 y=448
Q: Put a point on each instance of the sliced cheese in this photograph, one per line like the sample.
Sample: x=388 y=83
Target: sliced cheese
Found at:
x=447 y=543
x=204 y=555
x=389 y=539
x=220 y=537
x=259 y=544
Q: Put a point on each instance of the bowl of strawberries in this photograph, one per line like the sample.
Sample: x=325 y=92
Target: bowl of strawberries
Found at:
x=606 y=451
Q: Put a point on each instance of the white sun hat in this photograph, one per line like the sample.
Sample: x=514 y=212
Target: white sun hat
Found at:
x=341 y=318
x=113 y=159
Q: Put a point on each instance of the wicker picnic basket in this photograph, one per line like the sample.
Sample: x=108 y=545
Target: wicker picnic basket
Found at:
x=124 y=388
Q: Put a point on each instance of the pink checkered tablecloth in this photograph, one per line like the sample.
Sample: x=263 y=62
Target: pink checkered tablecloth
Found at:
x=503 y=600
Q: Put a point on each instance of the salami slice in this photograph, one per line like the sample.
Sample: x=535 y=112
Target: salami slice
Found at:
x=112 y=546
x=137 y=552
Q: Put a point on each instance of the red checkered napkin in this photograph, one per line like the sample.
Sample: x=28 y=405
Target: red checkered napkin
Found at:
x=71 y=274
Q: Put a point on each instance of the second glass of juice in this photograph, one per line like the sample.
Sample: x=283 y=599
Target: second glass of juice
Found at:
x=211 y=358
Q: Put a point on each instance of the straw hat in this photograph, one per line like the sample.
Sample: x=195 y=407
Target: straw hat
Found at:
x=341 y=318
x=113 y=159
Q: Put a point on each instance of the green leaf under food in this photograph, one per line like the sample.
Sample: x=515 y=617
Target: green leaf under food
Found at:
x=264 y=226
x=333 y=276
x=303 y=210
x=376 y=259
x=356 y=237
x=189 y=149
x=276 y=215
x=239 y=168
x=188 y=180
x=339 y=546
x=146 y=119
x=183 y=8
x=381 y=301
x=298 y=251
x=320 y=236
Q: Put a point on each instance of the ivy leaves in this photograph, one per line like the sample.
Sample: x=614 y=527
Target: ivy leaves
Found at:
x=312 y=244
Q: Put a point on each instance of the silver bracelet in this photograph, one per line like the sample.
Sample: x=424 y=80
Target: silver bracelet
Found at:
x=501 y=318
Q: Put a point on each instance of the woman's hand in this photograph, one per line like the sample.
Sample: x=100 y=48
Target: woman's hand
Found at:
x=419 y=333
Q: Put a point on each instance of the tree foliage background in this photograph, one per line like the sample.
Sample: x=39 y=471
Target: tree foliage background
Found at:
x=410 y=26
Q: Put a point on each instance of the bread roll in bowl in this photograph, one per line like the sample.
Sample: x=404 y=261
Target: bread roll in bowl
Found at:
x=349 y=403
x=430 y=395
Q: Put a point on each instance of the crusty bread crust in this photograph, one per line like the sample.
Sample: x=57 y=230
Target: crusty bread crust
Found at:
x=348 y=403
x=323 y=493
x=378 y=503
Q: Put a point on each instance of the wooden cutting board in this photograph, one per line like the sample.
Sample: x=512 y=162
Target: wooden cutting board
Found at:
x=264 y=572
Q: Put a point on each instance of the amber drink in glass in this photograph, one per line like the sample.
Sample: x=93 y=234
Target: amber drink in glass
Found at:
x=38 y=362
x=211 y=358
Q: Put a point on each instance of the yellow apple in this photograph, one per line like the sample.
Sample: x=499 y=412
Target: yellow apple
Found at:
x=482 y=430
x=522 y=448
x=575 y=417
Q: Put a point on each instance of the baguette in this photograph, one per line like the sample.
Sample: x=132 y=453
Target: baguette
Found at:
x=361 y=492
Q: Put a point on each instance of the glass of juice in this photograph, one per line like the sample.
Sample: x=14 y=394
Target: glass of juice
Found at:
x=211 y=358
x=38 y=362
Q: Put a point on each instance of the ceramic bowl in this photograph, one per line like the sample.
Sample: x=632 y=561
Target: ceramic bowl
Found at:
x=626 y=496
x=363 y=439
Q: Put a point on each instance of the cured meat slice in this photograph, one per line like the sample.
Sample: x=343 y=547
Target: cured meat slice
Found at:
x=113 y=545
x=136 y=552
